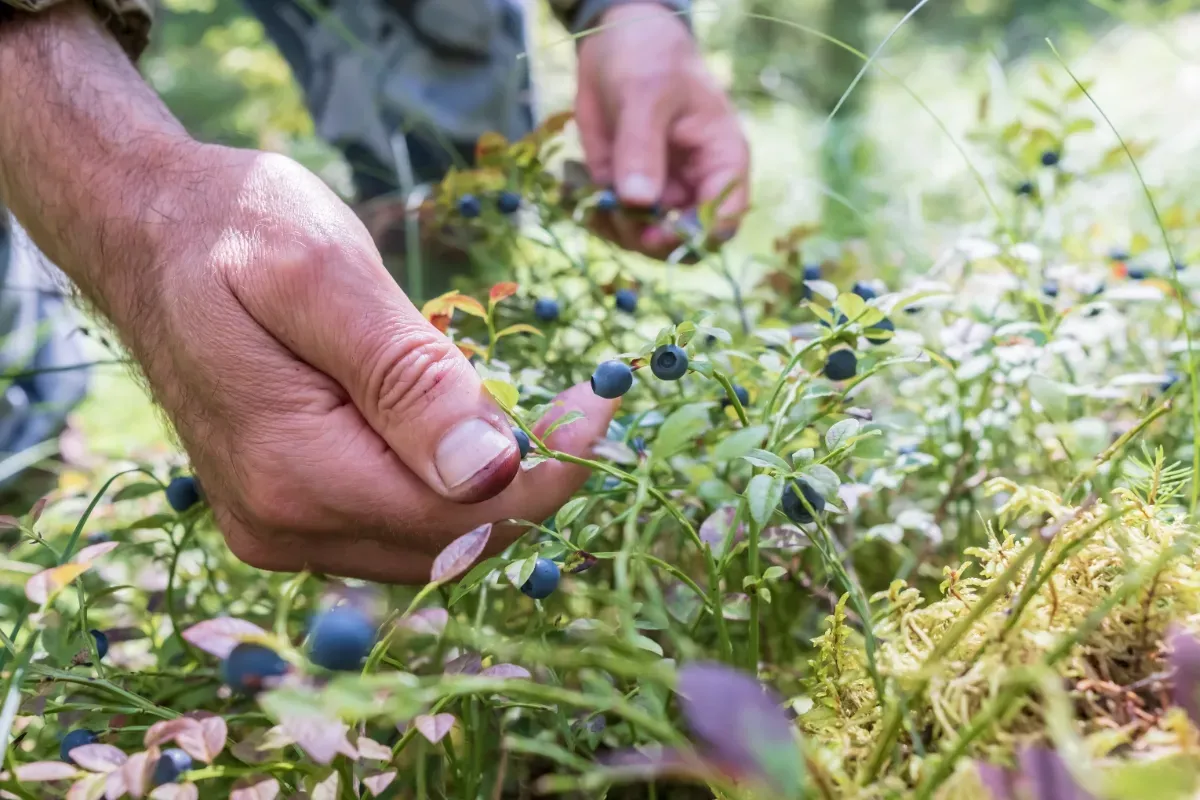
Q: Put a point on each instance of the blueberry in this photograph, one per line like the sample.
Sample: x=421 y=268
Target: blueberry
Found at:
x=1172 y=378
x=522 y=441
x=76 y=738
x=1024 y=189
x=1118 y=254
x=742 y=394
x=841 y=365
x=182 y=493
x=884 y=324
x=794 y=507
x=100 y=537
x=841 y=320
x=612 y=379
x=101 y=642
x=638 y=443
x=1050 y=158
x=907 y=450
x=469 y=206
x=542 y=581
x=669 y=362
x=1050 y=289
x=340 y=638
x=1180 y=266
x=812 y=272
x=508 y=202
x=611 y=483
x=546 y=309
x=249 y=664
x=606 y=200
x=863 y=290
x=627 y=300
x=1136 y=274
x=170 y=765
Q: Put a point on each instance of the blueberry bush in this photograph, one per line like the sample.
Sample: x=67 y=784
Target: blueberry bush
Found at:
x=931 y=537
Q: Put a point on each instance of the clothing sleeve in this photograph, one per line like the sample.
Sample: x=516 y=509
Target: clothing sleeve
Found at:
x=580 y=15
x=129 y=20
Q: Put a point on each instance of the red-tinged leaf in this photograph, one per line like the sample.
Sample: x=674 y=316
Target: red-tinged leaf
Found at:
x=9 y=523
x=502 y=291
x=176 y=791
x=45 y=771
x=441 y=321
x=450 y=301
x=326 y=789
x=219 y=636
x=460 y=554
x=520 y=327
x=434 y=727
x=258 y=787
x=505 y=671
x=136 y=772
x=49 y=582
x=466 y=664
x=742 y=723
x=714 y=529
x=489 y=145
x=377 y=783
x=373 y=750
x=89 y=788
x=469 y=349
x=161 y=733
x=94 y=551
x=98 y=757
x=426 y=622
x=204 y=740
x=321 y=737
x=1185 y=679
x=35 y=513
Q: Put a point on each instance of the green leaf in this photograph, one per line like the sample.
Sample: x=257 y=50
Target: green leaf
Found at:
x=135 y=490
x=740 y=442
x=164 y=521
x=665 y=336
x=774 y=573
x=645 y=643
x=684 y=333
x=573 y=415
x=705 y=368
x=822 y=478
x=504 y=393
x=840 y=432
x=567 y=514
x=473 y=578
x=763 y=494
x=519 y=571
x=735 y=606
x=680 y=429
x=851 y=305
x=765 y=458
x=1082 y=125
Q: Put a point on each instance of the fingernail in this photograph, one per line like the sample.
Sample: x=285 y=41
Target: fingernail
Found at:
x=638 y=189
x=469 y=451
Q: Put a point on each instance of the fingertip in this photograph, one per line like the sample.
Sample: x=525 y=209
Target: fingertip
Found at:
x=638 y=190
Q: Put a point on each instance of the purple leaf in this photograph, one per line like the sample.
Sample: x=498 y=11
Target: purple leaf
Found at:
x=426 y=622
x=204 y=741
x=377 y=783
x=258 y=787
x=219 y=636
x=466 y=664
x=319 y=736
x=460 y=554
x=1048 y=775
x=741 y=723
x=45 y=771
x=94 y=551
x=434 y=727
x=997 y=781
x=654 y=762
x=505 y=671
x=98 y=757
x=1185 y=664
x=372 y=750
x=714 y=529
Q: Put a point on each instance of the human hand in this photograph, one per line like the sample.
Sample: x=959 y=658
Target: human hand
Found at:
x=656 y=125
x=332 y=426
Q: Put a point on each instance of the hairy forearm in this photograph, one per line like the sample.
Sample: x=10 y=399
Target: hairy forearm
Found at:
x=87 y=153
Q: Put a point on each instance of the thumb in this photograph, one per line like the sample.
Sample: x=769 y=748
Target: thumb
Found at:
x=640 y=148
x=337 y=309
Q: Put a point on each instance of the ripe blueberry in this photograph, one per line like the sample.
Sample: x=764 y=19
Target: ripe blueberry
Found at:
x=170 y=765
x=884 y=324
x=612 y=379
x=249 y=665
x=542 y=581
x=794 y=507
x=1180 y=266
x=522 y=441
x=669 y=362
x=627 y=300
x=469 y=206
x=182 y=493
x=638 y=443
x=606 y=200
x=1136 y=274
x=863 y=290
x=1050 y=158
x=812 y=272
x=742 y=394
x=1050 y=289
x=546 y=309
x=508 y=202
x=841 y=365
x=341 y=638
x=1172 y=378
x=1024 y=189
x=76 y=738
x=101 y=642
x=100 y=537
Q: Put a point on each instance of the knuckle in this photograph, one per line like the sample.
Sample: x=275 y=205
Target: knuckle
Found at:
x=412 y=372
